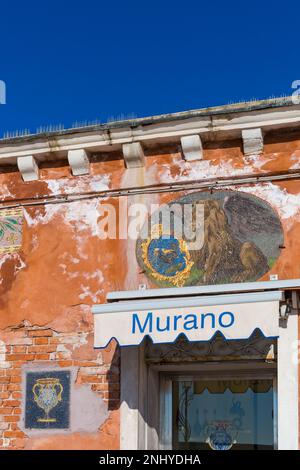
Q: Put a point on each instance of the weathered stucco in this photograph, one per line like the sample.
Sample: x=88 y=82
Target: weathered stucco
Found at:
x=63 y=268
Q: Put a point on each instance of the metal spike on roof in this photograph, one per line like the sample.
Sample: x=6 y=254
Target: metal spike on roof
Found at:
x=16 y=133
x=50 y=128
x=121 y=117
x=79 y=124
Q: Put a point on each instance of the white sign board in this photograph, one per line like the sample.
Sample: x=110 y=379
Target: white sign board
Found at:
x=164 y=325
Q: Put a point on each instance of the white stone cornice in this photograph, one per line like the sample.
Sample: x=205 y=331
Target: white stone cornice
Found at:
x=164 y=129
x=253 y=141
x=28 y=168
x=133 y=155
x=192 y=147
x=79 y=162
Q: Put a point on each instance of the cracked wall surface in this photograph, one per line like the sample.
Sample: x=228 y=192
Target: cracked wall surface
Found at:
x=47 y=288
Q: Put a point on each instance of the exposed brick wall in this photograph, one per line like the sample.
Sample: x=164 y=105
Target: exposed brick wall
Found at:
x=47 y=347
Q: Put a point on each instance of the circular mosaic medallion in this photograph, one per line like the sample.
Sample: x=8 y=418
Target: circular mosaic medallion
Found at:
x=240 y=238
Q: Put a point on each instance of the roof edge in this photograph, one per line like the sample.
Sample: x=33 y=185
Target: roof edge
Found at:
x=240 y=107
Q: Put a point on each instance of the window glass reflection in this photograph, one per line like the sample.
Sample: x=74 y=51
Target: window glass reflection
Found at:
x=223 y=414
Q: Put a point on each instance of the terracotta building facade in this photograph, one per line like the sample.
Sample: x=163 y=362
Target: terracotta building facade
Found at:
x=142 y=340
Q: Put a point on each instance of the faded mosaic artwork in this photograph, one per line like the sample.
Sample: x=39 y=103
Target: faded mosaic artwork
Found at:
x=10 y=230
x=47 y=400
x=242 y=240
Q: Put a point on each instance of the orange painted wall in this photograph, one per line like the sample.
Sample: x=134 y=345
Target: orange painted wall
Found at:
x=48 y=287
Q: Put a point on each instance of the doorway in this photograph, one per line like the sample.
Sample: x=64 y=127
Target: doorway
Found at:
x=148 y=392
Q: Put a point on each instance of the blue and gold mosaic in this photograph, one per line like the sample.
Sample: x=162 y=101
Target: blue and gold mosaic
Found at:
x=242 y=240
x=166 y=257
x=47 y=404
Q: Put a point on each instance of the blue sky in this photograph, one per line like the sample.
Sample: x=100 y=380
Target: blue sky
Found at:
x=66 y=61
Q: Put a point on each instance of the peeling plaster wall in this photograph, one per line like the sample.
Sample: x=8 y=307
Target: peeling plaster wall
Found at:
x=48 y=287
